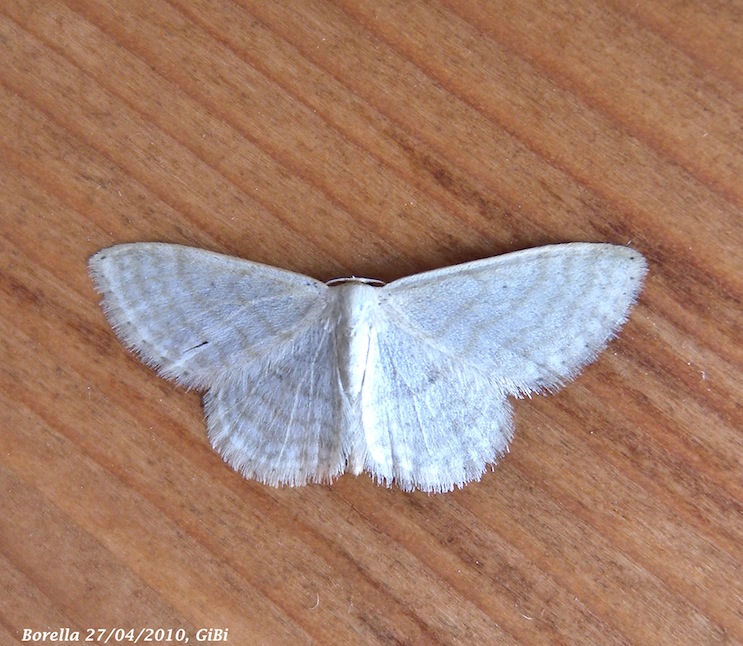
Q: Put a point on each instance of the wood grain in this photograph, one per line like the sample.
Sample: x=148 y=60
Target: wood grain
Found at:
x=379 y=139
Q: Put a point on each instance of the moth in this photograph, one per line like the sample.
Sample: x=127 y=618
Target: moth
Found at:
x=408 y=381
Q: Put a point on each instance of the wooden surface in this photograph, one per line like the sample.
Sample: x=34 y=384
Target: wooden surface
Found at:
x=374 y=138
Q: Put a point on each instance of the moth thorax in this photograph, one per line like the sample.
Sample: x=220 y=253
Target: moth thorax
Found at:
x=358 y=312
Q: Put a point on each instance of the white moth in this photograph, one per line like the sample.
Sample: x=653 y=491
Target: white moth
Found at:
x=408 y=381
